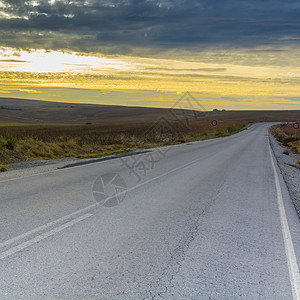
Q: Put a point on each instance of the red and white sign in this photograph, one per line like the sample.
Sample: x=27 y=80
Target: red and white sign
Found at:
x=214 y=123
x=296 y=125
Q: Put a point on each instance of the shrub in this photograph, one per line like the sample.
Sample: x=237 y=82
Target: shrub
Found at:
x=2 y=169
x=11 y=140
x=71 y=143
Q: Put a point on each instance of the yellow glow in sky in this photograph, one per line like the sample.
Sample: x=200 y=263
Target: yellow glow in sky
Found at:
x=224 y=84
x=41 y=61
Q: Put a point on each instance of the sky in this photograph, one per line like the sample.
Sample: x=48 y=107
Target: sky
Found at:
x=231 y=54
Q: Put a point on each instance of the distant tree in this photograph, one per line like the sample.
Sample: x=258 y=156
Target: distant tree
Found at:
x=215 y=109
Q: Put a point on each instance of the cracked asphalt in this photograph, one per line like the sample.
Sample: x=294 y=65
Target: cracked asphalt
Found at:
x=198 y=221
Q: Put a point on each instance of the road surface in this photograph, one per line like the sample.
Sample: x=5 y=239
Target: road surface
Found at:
x=205 y=220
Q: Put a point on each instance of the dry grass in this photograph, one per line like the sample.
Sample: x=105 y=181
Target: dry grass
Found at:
x=285 y=133
x=23 y=143
x=31 y=149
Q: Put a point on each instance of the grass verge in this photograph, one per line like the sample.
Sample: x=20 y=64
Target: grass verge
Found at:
x=27 y=143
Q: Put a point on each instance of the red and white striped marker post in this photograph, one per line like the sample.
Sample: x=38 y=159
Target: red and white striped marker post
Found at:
x=214 y=124
x=296 y=126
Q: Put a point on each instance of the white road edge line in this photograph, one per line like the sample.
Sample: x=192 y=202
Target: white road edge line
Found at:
x=288 y=243
x=157 y=177
x=55 y=230
x=46 y=226
x=42 y=237
x=62 y=219
x=84 y=210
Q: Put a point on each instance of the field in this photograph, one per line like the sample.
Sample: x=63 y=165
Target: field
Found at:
x=32 y=130
x=19 y=143
x=25 y=111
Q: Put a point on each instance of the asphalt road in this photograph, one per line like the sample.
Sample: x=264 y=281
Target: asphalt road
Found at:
x=206 y=220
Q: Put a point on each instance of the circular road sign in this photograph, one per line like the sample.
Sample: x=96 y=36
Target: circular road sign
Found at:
x=296 y=125
x=214 y=123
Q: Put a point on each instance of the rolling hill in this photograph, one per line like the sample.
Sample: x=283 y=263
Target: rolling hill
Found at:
x=14 y=110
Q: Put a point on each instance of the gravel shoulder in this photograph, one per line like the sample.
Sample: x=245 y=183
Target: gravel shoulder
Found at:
x=289 y=168
x=29 y=168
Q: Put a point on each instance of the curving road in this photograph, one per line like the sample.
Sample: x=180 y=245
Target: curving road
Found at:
x=206 y=220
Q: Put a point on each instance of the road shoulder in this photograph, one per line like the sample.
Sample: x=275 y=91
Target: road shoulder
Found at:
x=288 y=166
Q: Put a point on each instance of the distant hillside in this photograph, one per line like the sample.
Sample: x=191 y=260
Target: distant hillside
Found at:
x=39 y=112
x=45 y=112
x=257 y=115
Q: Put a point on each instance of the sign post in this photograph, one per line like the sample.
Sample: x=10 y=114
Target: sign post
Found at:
x=296 y=126
x=214 y=124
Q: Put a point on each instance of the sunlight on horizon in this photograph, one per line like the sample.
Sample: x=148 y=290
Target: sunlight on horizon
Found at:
x=25 y=73
x=42 y=61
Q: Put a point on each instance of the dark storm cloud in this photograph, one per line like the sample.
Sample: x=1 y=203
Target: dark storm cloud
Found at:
x=159 y=24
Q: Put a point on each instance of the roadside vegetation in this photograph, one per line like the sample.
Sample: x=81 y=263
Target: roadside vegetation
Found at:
x=32 y=142
x=285 y=133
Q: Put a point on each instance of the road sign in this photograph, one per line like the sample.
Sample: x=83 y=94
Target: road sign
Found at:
x=214 y=124
x=296 y=126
